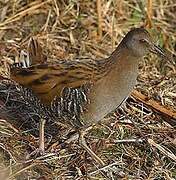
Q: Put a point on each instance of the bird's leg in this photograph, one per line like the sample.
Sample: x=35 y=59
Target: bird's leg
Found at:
x=83 y=143
x=42 y=136
x=41 y=149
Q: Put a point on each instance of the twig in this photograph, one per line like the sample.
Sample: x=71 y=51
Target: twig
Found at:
x=129 y=140
x=10 y=154
x=104 y=168
x=162 y=149
x=168 y=114
x=99 y=18
x=149 y=13
x=22 y=14
x=13 y=175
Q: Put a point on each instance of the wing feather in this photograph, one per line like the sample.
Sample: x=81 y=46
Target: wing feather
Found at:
x=48 y=80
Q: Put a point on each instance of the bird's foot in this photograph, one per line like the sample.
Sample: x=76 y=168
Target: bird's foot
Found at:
x=36 y=153
x=83 y=143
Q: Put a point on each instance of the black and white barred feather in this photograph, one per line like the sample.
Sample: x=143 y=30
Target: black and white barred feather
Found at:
x=67 y=108
x=20 y=107
x=71 y=105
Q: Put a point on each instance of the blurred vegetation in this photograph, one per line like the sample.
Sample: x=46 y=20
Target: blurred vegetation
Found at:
x=67 y=29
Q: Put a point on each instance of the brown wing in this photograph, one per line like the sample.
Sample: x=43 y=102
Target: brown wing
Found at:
x=48 y=80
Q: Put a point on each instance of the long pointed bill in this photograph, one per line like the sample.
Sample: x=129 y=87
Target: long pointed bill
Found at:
x=164 y=54
x=158 y=51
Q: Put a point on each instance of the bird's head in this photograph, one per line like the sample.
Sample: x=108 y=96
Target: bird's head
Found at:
x=139 y=43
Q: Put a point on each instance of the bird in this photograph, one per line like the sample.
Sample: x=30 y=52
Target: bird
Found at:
x=81 y=92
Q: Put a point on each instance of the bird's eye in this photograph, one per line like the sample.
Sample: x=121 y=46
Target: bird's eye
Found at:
x=143 y=40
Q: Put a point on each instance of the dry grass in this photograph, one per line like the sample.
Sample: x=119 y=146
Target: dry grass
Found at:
x=135 y=143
